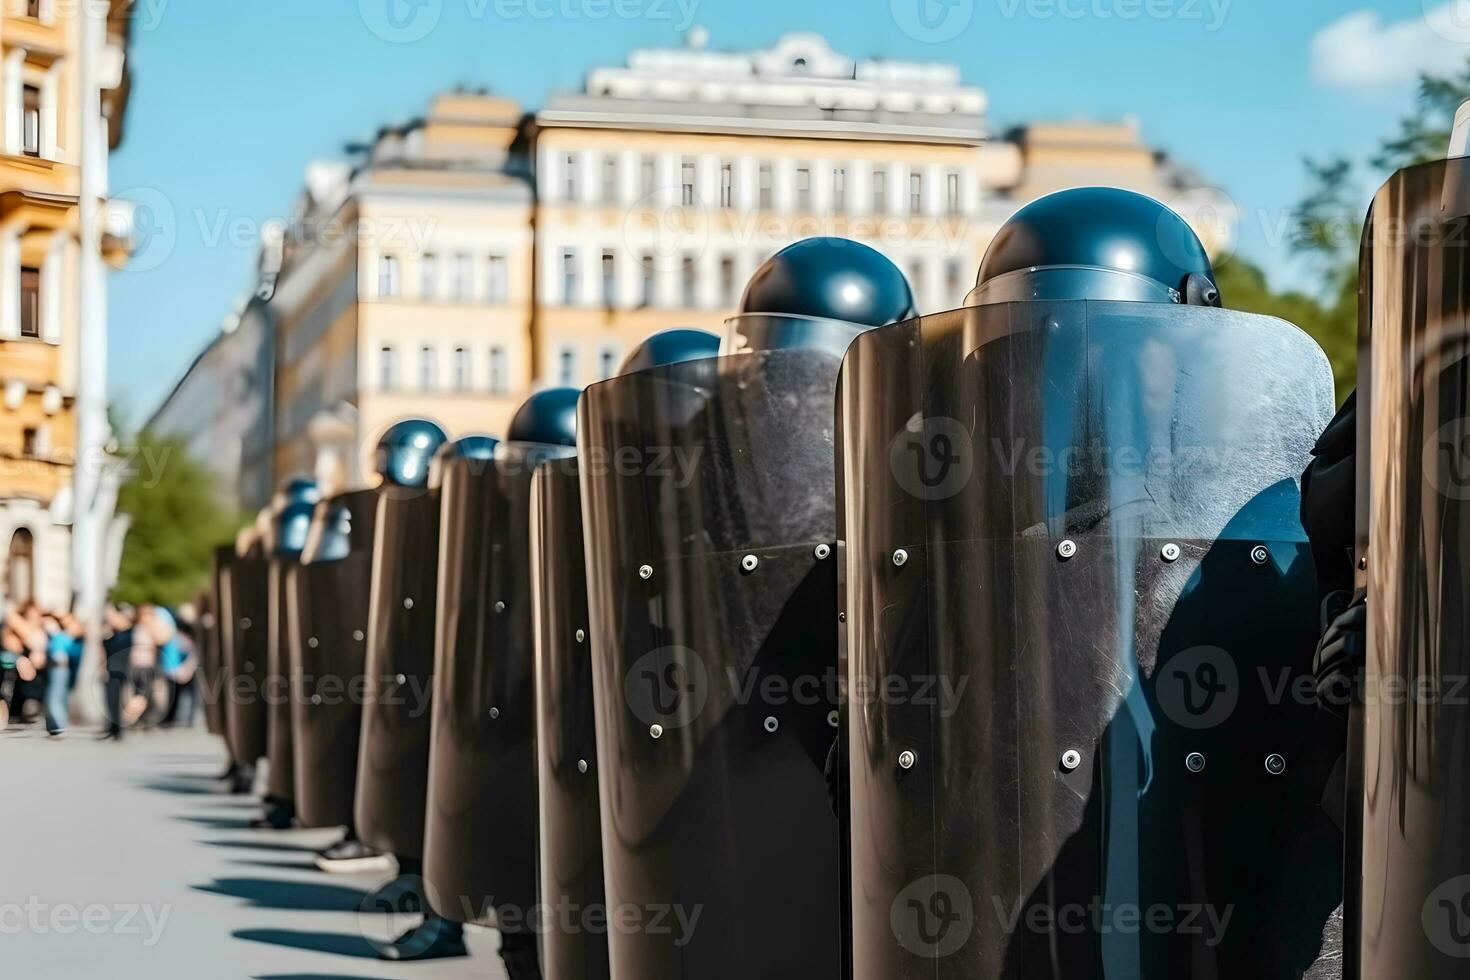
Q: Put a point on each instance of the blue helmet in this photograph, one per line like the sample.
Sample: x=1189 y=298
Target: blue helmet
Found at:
x=291 y=511
x=670 y=347
x=406 y=451
x=1099 y=243
x=830 y=279
x=548 y=417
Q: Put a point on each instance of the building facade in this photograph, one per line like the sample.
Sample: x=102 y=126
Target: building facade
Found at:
x=44 y=114
x=491 y=252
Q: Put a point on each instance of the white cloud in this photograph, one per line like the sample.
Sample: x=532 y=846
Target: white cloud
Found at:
x=1361 y=51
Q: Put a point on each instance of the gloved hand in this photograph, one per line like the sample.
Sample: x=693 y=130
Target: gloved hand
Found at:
x=1341 y=653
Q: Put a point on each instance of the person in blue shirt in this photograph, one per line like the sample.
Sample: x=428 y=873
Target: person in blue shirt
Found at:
x=63 y=657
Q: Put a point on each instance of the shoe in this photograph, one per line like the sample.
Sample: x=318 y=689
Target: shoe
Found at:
x=403 y=895
x=432 y=939
x=277 y=817
x=243 y=781
x=353 y=857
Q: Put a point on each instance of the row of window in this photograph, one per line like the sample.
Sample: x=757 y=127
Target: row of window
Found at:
x=461 y=375
x=806 y=176
x=570 y=264
x=460 y=286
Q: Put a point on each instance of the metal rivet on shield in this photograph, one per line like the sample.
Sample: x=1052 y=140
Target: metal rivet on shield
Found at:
x=499 y=606
x=1071 y=759
x=1066 y=549
x=1170 y=552
x=401 y=679
x=407 y=603
x=249 y=666
x=316 y=699
x=645 y=572
x=655 y=731
x=1276 y=763
x=771 y=724
x=822 y=551
x=1363 y=562
x=906 y=759
x=1260 y=555
x=311 y=641
x=581 y=636
x=245 y=623
x=581 y=765
x=900 y=558
x=357 y=635
x=749 y=563
x=842 y=617
x=832 y=718
x=1194 y=762
x=494 y=713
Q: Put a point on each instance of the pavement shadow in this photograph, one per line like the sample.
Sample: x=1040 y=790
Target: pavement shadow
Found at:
x=290 y=896
x=217 y=823
x=303 y=865
x=310 y=976
x=337 y=943
x=259 y=845
x=202 y=787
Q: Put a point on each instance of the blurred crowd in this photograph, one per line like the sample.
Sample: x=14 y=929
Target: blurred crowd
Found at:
x=148 y=667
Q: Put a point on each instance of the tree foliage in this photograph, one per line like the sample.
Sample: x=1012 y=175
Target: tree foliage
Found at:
x=177 y=520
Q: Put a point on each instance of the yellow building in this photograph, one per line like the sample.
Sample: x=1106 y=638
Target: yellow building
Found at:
x=41 y=133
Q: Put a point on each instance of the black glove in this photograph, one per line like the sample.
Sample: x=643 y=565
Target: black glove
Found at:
x=1341 y=653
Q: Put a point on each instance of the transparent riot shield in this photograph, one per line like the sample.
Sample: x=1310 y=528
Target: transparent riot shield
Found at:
x=211 y=661
x=328 y=612
x=708 y=504
x=572 y=945
x=245 y=630
x=480 y=852
x=1081 y=618
x=1414 y=473
x=393 y=762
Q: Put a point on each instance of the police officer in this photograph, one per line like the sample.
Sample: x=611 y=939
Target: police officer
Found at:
x=1079 y=601
x=707 y=489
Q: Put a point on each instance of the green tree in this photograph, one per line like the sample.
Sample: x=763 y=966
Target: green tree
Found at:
x=177 y=520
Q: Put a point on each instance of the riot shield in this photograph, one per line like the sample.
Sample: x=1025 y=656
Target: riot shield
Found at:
x=245 y=630
x=707 y=496
x=280 y=781
x=393 y=761
x=1081 y=618
x=480 y=843
x=328 y=610
x=1414 y=474
x=211 y=647
x=566 y=740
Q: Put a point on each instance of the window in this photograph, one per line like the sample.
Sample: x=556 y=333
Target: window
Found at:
x=31 y=121
x=647 y=175
x=464 y=274
x=686 y=181
x=429 y=276
x=30 y=442
x=727 y=281
x=566 y=367
x=461 y=365
x=33 y=8
x=499 y=378
x=21 y=567
x=952 y=192
x=727 y=186
x=607 y=362
x=568 y=277
x=497 y=280
x=916 y=277
x=647 y=287
x=766 y=179
x=569 y=165
x=428 y=369
x=916 y=193
x=689 y=282
x=839 y=188
x=609 y=278
x=804 y=188
x=953 y=281
x=387 y=369
x=387 y=276
x=880 y=190
x=610 y=193
x=30 y=302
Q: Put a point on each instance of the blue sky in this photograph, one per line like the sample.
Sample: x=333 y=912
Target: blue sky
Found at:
x=232 y=99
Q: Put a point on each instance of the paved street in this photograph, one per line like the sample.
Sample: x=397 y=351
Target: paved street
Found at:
x=123 y=861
